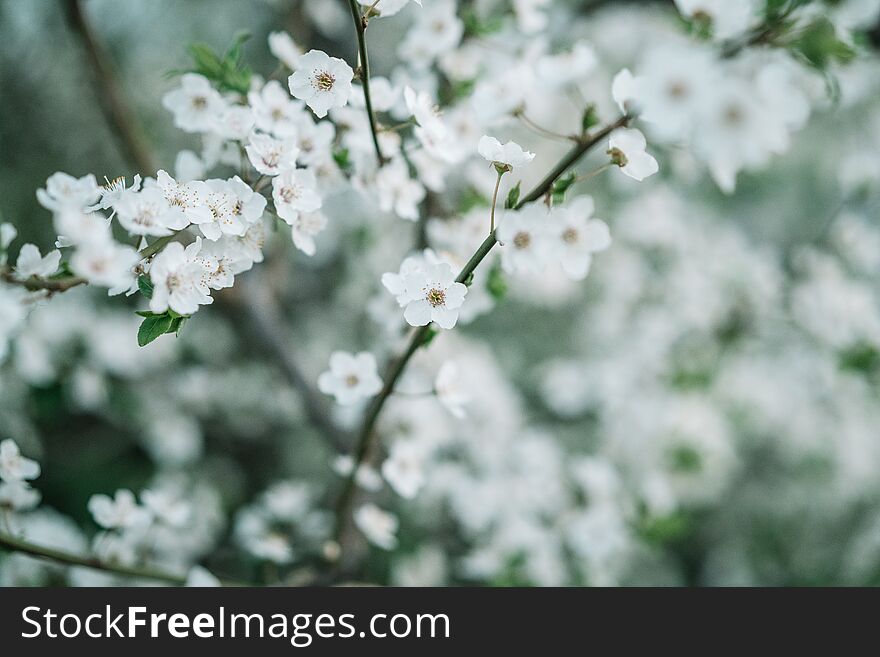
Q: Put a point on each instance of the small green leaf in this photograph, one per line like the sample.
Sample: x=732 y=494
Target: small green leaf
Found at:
x=820 y=46
x=152 y=327
x=145 y=285
x=561 y=186
x=431 y=333
x=513 y=196
x=341 y=157
x=590 y=119
x=496 y=283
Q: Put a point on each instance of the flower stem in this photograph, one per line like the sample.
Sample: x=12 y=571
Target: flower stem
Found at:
x=18 y=545
x=494 y=202
x=526 y=121
x=594 y=173
x=360 y=26
x=367 y=433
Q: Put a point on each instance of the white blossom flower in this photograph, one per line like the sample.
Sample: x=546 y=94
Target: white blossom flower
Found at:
x=199 y=577
x=724 y=18
x=167 y=507
x=294 y=191
x=321 y=81
x=388 y=7
x=274 y=110
x=579 y=236
x=433 y=295
x=119 y=512
x=234 y=122
x=113 y=190
x=8 y=233
x=187 y=201
x=271 y=156
x=436 y=31
x=64 y=192
x=507 y=156
x=377 y=525
x=285 y=49
x=105 y=264
x=13 y=466
x=18 y=496
x=31 y=263
x=415 y=264
x=404 y=468
x=148 y=212
x=448 y=388
x=304 y=228
x=195 y=104
x=398 y=192
x=351 y=377
x=177 y=280
x=556 y=71
x=526 y=240
x=627 y=150
x=626 y=89
x=366 y=477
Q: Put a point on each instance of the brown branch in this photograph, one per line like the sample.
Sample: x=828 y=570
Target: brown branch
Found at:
x=367 y=433
x=67 y=558
x=110 y=96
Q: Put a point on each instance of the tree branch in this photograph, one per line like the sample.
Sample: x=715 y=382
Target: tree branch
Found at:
x=112 y=100
x=59 y=556
x=360 y=25
x=367 y=434
x=37 y=284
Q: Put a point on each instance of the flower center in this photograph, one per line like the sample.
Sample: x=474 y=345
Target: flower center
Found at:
x=436 y=297
x=733 y=115
x=618 y=157
x=199 y=102
x=173 y=282
x=678 y=90
x=522 y=240
x=351 y=380
x=323 y=81
x=290 y=194
x=570 y=236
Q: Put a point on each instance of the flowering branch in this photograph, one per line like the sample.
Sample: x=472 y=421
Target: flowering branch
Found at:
x=360 y=24
x=111 y=98
x=418 y=336
x=37 y=284
x=18 y=545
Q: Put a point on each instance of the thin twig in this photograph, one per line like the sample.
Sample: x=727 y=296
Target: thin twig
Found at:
x=367 y=434
x=37 y=283
x=112 y=101
x=360 y=25
x=59 y=556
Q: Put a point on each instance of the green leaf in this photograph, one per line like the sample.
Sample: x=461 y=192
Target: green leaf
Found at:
x=590 y=119
x=431 y=333
x=226 y=71
x=513 y=196
x=471 y=199
x=341 y=157
x=820 y=46
x=561 y=186
x=496 y=284
x=152 y=327
x=145 y=285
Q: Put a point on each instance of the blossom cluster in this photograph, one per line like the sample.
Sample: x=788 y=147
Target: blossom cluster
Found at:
x=629 y=386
